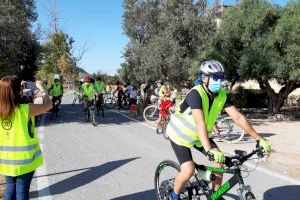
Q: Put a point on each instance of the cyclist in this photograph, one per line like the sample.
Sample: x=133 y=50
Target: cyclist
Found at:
x=192 y=124
x=56 y=91
x=99 y=86
x=87 y=90
x=163 y=90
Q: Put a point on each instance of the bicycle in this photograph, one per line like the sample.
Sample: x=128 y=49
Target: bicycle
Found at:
x=89 y=113
x=151 y=112
x=55 y=108
x=99 y=105
x=76 y=98
x=111 y=102
x=199 y=187
x=228 y=131
x=164 y=123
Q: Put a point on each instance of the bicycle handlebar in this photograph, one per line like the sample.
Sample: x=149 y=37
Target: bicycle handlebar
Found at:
x=239 y=158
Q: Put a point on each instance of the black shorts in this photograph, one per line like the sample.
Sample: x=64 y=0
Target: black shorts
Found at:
x=184 y=154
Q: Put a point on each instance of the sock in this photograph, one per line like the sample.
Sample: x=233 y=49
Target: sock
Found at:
x=175 y=196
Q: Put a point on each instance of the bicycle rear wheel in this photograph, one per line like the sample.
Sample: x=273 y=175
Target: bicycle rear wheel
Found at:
x=110 y=103
x=164 y=179
x=151 y=113
x=164 y=124
x=229 y=131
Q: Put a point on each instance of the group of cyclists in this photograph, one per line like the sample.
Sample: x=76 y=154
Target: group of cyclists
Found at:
x=192 y=121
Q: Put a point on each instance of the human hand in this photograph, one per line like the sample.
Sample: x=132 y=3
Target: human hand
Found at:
x=40 y=86
x=217 y=156
x=265 y=145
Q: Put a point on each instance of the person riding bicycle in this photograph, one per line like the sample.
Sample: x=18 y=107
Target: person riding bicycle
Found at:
x=87 y=90
x=191 y=125
x=56 y=91
x=164 y=108
x=99 y=86
x=163 y=90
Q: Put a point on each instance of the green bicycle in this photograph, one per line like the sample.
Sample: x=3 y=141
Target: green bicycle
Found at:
x=199 y=187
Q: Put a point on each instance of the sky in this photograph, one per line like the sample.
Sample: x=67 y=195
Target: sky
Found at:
x=98 y=25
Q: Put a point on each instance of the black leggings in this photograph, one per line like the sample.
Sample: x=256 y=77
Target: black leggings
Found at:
x=184 y=154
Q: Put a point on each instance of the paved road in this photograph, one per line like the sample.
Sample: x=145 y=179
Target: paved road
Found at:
x=115 y=160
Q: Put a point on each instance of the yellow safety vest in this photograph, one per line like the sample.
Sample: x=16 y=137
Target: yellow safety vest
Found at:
x=56 y=91
x=88 y=91
x=20 y=152
x=99 y=87
x=182 y=128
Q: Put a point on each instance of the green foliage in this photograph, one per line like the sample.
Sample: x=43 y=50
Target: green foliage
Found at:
x=164 y=36
x=57 y=57
x=249 y=98
x=258 y=40
x=18 y=44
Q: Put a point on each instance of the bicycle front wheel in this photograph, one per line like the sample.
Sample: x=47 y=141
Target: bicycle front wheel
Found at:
x=151 y=113
x=164 y=179
x=110 y=103
x=229 y=131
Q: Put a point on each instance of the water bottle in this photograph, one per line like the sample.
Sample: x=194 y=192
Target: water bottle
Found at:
x=204 y=175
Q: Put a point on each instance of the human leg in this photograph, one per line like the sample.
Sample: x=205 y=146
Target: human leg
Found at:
x=23 y=186
x=10 y=189
x=187 y=167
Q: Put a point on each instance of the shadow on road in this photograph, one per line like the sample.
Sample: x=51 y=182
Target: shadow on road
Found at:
x=145 y=195
x=290 y=192
x=81 y=179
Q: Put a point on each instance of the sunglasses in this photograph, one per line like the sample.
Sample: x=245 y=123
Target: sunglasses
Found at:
x=216 y=78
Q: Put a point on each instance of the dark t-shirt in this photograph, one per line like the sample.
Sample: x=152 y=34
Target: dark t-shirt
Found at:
x=194 y=101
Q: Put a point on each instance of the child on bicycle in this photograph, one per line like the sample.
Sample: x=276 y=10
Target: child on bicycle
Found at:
x=165 y=105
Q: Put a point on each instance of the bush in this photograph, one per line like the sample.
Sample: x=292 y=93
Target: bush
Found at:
x=249 y=98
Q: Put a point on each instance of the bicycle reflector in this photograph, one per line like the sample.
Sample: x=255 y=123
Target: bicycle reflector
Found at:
x=133 y=107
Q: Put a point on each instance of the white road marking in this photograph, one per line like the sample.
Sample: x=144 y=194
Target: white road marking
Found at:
x=42 y=182
x=259 y=168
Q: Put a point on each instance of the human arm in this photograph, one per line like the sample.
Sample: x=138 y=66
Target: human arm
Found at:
x=240 y=120
x=38 y=109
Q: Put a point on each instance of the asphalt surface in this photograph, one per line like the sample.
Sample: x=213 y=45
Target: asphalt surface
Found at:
x=116 y=160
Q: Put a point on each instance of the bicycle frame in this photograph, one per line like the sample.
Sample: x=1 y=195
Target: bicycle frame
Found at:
x=236 y=179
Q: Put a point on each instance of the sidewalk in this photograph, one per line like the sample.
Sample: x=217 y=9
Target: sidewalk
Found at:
x=284 y=137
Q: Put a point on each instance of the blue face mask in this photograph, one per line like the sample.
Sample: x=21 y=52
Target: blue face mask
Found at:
x=214 y=85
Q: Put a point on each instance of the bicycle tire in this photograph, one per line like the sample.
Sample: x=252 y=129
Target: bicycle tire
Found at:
x=230 y=133
x=249 y=196
x=149 y=114
x=110 y=103
x=164 y=123
x=93 y=116
x=164 y=189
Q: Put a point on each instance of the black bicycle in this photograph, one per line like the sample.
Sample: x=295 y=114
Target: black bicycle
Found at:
x=89 y=113
x=199 y=187
x=99 y=105
x=55 y=107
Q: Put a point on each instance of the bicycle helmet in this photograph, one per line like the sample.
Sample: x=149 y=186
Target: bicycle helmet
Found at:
x=87 y=79
x=212 y=67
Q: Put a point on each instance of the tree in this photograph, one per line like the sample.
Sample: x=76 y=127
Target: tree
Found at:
x=258 y=40
x=57 y=57
x=18 y=44
x=164 y=35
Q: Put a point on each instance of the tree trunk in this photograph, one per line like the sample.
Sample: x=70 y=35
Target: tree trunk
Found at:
x=276 y=100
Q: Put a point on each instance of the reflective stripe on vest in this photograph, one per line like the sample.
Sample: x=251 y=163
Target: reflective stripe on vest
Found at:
x=99 y=86
x=21 y=162
x=19 y=148
x=88 y=91
x=56 y=91
x=20 y=152
x=182 y=129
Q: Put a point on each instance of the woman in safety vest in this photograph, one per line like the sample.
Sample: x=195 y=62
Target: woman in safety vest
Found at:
x=192 y=124
x=20 y=153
